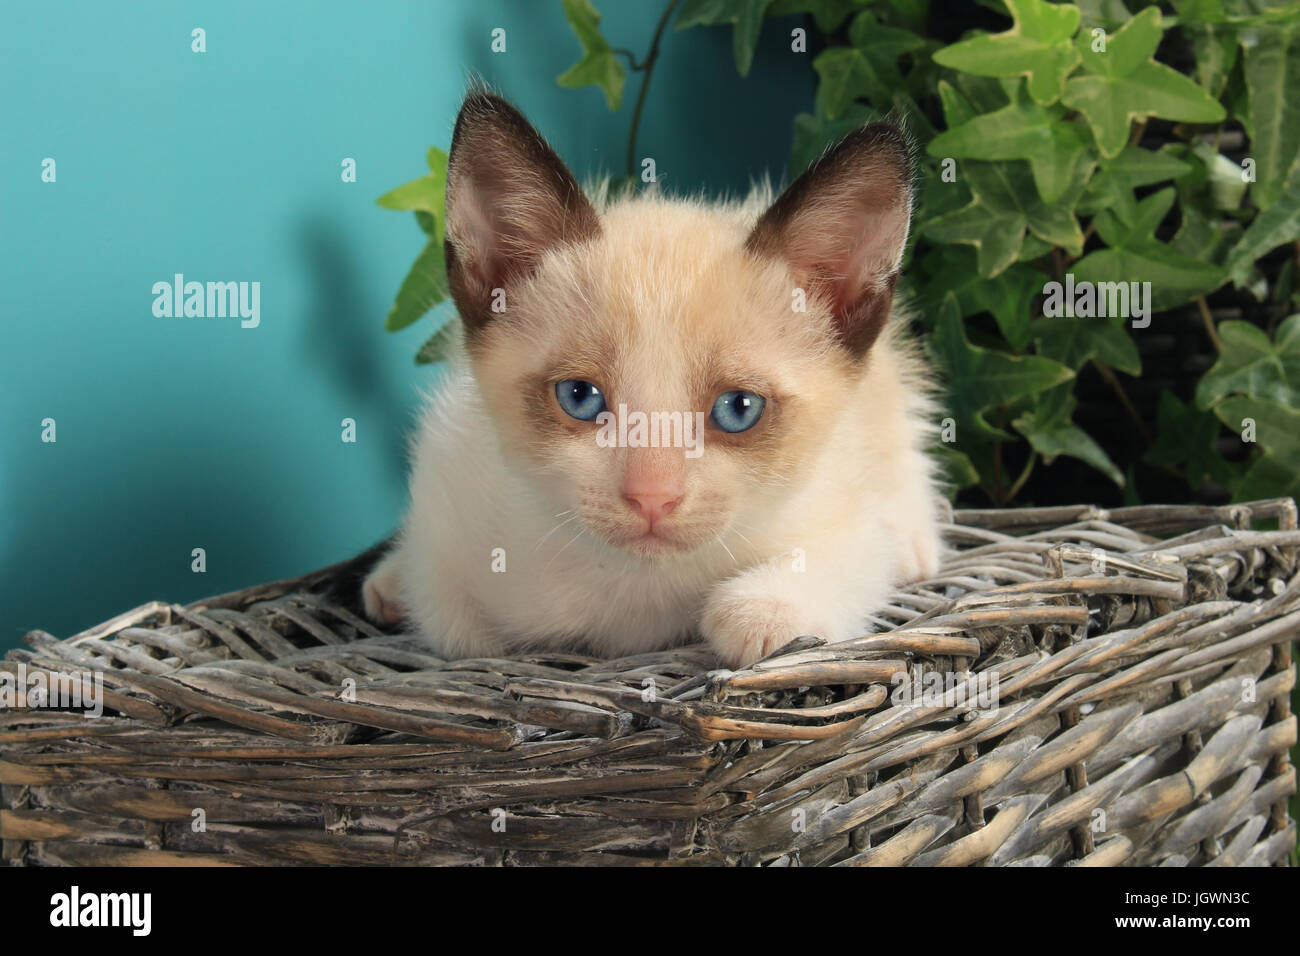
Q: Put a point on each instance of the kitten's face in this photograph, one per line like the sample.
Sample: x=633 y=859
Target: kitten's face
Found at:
x=759 y=331
x=665 y=312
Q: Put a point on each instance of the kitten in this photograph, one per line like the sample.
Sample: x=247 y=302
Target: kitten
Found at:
x=810 y=494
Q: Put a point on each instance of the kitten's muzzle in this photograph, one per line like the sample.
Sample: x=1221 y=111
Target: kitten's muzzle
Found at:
x=653 y=506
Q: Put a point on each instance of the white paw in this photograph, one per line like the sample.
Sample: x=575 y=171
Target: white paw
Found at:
x=743 y=625
x=919 y=555
x=380 y=595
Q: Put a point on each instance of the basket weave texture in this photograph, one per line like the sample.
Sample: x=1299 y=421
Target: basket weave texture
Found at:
x=1076 y=687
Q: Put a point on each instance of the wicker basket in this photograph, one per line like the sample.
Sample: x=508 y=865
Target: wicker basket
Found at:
x=1140 y=716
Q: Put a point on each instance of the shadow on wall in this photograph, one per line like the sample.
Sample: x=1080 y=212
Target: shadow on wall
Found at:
x=344 y=339
x=726 y=133
x=204 y=469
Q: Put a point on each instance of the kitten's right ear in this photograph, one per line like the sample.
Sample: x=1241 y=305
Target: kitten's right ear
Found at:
x=842 y=226
x=509 y=200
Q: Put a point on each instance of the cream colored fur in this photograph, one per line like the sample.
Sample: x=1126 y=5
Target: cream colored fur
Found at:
x=802 y=534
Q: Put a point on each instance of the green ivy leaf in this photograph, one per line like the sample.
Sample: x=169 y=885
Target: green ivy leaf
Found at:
x=1251 y=364
x=1199 y=11
x=1009 y=296
x=1203 y=237
x=937 y=197
x=1125 y=83
x=440 y=345
x=1051 y=432
x=1130 y=498
x=826 y=14
x=844 y=75
x=1033 y=248
x=867 y=68
x=1075 y=341
x=1253 y=13
x=1225 y=183
x=1278 y=224
x=1022 y=129
x=747 y=15
x=996 y=237
x=957 y=109
x=1277 y=434
x=1037 y=47
x=957 y=470
x=1174 y=278
x=815 y=133
x=981 y=379
x=1112 y=185
x=427 y=195
x=905 y=109
x=1270 y=476
x=997 y=218
x=1216 y=54
x=1103 y=13
x=1138 y=223
x=1187 y=435
x=910 y=13
x=426 y=284
x=1134 y=166
x=600 y=65
x=423 y=288
x=984 y=94
x=1271 y=66
x=1136 y=255
x=428 y=224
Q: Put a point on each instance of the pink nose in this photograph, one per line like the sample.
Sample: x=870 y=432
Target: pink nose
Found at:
x=652 y=504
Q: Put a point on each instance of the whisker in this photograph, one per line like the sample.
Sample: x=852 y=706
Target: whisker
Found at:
x=565 y=548
x=742 y=537
x=553 y=530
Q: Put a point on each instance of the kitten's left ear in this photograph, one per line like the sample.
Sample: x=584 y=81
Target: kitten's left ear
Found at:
x=842 y=226
x=510 y=200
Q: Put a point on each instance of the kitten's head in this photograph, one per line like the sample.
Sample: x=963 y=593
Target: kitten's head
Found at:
x=760 y=330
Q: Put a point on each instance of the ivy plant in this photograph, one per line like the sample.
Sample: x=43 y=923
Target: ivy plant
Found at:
x=1080 y=144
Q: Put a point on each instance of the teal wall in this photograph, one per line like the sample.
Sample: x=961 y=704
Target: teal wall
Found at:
x=182 y=433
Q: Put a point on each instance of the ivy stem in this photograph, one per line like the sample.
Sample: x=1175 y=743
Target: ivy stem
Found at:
x=1208 y=319
x=1024 y=475
x=1109 y=376
x=632 y=63
x=647 y=67
x=1092 y=227
x=996 y=491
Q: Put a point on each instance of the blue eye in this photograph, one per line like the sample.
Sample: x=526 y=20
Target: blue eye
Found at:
x=737 y=411
x=579 y=399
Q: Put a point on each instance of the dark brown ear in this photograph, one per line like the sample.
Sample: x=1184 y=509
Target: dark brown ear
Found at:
x=842 y=226
x=509 y=200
